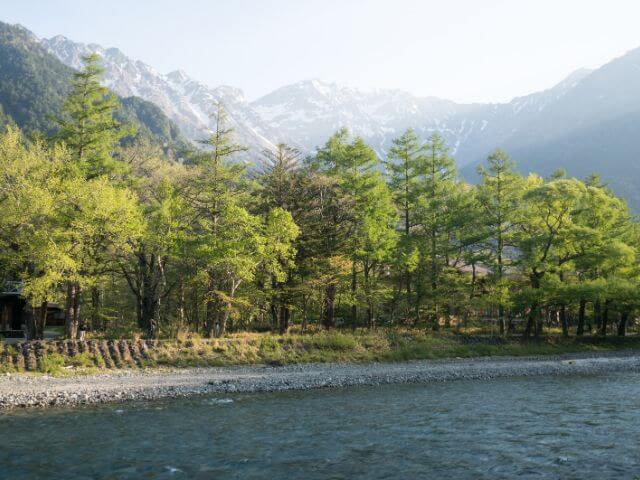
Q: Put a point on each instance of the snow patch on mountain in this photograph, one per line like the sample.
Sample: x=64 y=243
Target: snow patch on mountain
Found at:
x=306 y=113
x=184 y=100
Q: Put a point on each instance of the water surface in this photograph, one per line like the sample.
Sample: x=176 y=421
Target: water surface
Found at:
x=542 y=428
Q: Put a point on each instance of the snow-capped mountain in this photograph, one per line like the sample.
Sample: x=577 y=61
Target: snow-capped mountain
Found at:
x=310 y=111
x=306 y=113
x=184 y=100
x=589 y=122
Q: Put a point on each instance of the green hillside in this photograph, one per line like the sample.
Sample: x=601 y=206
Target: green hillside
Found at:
x=34 y=84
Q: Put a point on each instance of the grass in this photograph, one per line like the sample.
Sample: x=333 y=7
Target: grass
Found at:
x=389 y=345
x=364 y=346
x=51 y=364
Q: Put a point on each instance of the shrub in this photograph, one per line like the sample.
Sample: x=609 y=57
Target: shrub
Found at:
x=51 y=363
x=332 y=341
x=85 y=360
x=269 y=344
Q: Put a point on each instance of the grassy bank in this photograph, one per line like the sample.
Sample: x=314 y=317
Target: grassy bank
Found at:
x=260 y=348
x=388 y=346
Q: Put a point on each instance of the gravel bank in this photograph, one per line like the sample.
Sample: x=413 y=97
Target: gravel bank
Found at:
x=31 y=391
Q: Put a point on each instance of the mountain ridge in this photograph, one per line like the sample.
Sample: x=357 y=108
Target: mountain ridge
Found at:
x=304 y=114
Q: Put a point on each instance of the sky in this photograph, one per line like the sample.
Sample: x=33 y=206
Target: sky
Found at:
x=463 y=50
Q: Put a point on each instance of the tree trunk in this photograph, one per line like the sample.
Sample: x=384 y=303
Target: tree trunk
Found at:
x=563 y=320
x=597 y=314
x=447 y=316
x=181 y=305
x=622 y=325
x=139 y=317
x=196 y=309
x=354 y=307
x=274 y=307
x=281 y=320
x=221 y=328
x=285 y=315
x=371 y=319
x=605 y=319
x=273 y=310
x=154 y=321
x=212 y=310
x=30 y=323
x=510 y=325
x=532 y=318
x=501 y=319
x=41 y=322
x=305 y=317
x=539 y=324
x=328 y=318
x=80 y=324
x=95 y=308
x=581 y=310
x=70 y=319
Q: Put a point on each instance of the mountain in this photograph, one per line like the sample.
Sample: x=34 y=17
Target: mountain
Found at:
x=589 y=122
x=306 y=113
x=309 y=111
x=594 y=127
x=184 y=100
x=34 y=85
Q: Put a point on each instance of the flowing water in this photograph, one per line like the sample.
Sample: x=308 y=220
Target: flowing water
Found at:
x=553 y=427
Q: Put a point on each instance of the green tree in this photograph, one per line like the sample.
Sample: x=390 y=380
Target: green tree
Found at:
x=548 y=236
x=157 y=182
x=277 y=188
x=500 y=196
x=405 y=166
x=437 y=219
x=354 y=166
x=87 y=125
x=100 y=222
x=31 y=242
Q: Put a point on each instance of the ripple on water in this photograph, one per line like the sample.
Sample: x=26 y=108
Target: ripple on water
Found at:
x=542 y=428
x=218 y=401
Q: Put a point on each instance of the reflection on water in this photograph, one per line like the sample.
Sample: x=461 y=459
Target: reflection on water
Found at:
x=569 y=428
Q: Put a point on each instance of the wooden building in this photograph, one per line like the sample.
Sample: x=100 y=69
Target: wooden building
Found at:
x=16 y=313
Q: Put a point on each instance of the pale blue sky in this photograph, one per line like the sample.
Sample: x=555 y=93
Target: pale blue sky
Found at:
x=465 y=50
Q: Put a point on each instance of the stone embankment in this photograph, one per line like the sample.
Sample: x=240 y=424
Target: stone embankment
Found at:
x=28 y=356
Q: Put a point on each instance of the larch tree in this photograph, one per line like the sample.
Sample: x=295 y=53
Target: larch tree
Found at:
x=87 y=124
x=405 y=165
x=438 y=187
x=91 y=134
x=277 y=188
x=499 y=195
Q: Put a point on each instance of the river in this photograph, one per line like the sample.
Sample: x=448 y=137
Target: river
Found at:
x=584 y=427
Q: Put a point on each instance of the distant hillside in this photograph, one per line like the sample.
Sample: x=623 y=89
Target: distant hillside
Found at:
x=34 y=85
x=593 y=128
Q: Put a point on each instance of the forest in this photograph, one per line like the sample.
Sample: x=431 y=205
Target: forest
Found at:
x=134 y=237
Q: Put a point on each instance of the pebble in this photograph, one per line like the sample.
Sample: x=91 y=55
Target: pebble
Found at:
x=30 y=391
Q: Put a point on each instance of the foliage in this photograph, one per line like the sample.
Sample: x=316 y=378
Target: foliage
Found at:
x=127 y=237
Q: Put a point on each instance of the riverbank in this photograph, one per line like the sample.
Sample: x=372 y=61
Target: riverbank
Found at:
x=131 y=385
x=94 y=355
